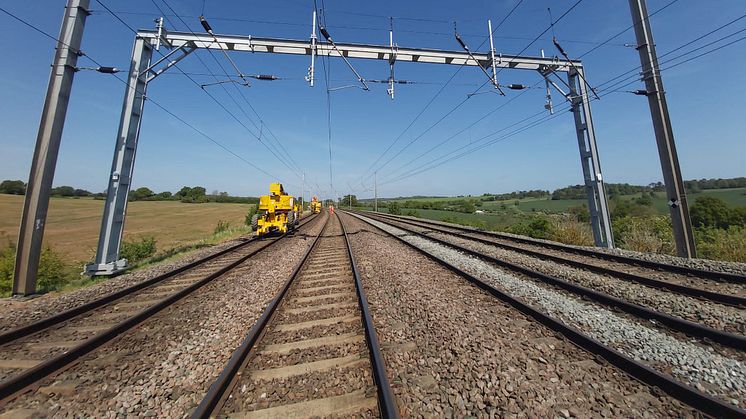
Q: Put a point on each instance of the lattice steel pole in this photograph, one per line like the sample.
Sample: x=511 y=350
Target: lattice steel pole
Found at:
x=36 y=201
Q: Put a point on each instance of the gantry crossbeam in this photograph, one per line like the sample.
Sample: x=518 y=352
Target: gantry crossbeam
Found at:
x=363 y=51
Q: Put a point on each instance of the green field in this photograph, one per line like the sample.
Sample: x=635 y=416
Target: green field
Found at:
x=73 y=224
x=735 y=197
x=489 y=221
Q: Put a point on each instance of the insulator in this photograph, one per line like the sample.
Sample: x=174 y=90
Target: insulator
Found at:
x=556 y=44
x=641 y=92
x=265 y=77
x=461 y=41
x=517 y=86
x=205 y=25
x=108 y=70
x=325 y=33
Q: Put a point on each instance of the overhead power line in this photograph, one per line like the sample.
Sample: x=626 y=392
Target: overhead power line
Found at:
x=432 y=99
x=358 y=28
x=287 y=160
x=149 y=99
x=210 y=95
x=452 y=110
x=479 y=145
x=550 y=27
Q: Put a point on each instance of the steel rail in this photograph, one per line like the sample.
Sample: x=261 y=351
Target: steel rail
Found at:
x=685 y=270
x=684 y=393
x=220 y=389
x=386 y=400
x=14 y=385
x=676 y=323
x=37 y=326
x=651 y=282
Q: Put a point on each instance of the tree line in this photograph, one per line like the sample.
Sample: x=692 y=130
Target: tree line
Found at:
x=187 y=194
x=615 y=189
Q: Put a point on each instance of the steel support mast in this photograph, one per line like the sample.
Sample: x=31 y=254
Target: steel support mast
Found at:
x=141 y=72
x=675 y=191
x=107 y=259
x=598 y=205
x=36 y=201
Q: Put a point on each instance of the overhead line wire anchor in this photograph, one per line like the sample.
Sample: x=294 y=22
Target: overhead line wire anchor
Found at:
x=325 y=34
x=493 y=77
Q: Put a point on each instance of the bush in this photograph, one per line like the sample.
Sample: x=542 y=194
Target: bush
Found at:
x=709 y=211
x=221 y=227
x=135 y=251
x=53 y=273
x=730 y=244
x=580 y=212
x=412 y=213
x=394 y=208
x=537 y=227
x=572 y=232
x=645 y=234
x=7 y=258
x=252 y=210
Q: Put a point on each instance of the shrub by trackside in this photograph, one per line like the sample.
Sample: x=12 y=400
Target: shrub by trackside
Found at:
x=221 y=227
x=54 y=272
x=645 y=234
x=722 y=244
x=137 y=250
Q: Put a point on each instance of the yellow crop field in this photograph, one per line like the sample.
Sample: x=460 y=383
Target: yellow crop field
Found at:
x=73 y=224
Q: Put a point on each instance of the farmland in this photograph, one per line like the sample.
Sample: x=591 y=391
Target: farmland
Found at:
x=73 y=224
x=735 y=197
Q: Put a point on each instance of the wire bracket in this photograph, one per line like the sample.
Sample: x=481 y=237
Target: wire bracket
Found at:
x=392 y=60
x=493 y=77
x=314 y=39
x=325 y=34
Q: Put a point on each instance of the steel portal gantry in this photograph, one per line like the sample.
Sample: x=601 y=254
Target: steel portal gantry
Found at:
x=182 y=44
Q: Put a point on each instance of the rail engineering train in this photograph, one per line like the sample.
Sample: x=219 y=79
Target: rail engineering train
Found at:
x=277 y=212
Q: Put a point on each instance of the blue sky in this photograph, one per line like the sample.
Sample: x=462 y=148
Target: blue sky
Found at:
x=705 y=97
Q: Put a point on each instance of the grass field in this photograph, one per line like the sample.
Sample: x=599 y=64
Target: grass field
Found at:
x=491 y=221
x=735 y=197
x=73 y=224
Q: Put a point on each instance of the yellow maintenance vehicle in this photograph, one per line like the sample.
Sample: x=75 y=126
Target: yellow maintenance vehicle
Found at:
x=276 y=212
x=315 y=205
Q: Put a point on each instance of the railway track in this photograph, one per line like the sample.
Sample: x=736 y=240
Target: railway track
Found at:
x=657 y=377
x=723 y=287
x=691 y=328
x=35 y=351
x=314 y=351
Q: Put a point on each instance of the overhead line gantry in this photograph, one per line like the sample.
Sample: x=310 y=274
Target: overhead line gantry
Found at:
x=181 y=44
x=144 y=69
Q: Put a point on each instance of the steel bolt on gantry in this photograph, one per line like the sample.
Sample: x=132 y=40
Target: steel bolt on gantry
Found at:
x=182 y=44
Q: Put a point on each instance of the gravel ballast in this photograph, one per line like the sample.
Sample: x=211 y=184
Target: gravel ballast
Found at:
x=15 y=313
x=699 y=366
x=706 y=264
x=452 y=350
x=718 y=316
x=164 y=367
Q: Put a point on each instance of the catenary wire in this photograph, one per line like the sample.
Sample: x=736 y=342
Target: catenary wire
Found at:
x=210 y=95
x=432 y=99
x=289 y=161
x=149 y=99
